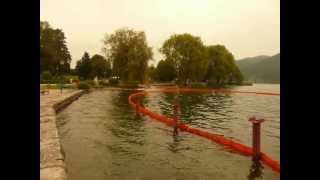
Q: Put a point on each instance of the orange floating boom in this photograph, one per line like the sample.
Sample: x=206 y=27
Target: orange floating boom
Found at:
x=238 y=147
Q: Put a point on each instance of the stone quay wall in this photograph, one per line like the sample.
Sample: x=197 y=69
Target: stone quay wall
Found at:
x=52 y=158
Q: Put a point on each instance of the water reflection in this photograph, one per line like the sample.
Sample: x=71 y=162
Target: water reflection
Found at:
x=199 y=109
x=175 y=130
x=255 y=170
x=188 y=104
x=177 y=145
x=174 y=146
x=128 y=126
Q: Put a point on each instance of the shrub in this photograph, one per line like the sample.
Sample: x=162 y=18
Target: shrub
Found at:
x=59 y=80
x=198 y=85
x=46 y=75
x=66 y=78
x=45 y=81
x=69 y=86
x=84 y=86
x=103 y=83
x=213 y=84
x=89 y=82
x=113 y=81
x=129 y=85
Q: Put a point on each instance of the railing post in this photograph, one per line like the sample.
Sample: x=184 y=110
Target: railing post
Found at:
x=137 y=107
x=175 y=116
x=256 y=135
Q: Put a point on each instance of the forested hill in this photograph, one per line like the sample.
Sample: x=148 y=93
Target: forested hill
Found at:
x=261 y=69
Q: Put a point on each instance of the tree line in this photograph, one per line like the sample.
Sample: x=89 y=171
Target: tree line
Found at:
x=96 y=66
x=187 y=59
x=127 y=55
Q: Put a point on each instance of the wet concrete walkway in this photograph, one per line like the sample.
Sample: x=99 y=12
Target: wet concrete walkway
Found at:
x=52 y=165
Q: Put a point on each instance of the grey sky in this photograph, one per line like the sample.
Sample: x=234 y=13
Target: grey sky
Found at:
x=246 y=27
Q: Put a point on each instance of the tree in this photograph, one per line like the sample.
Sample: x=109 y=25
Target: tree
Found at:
x=152 y=73
x=129 y=54
x=84 y=67
x=46 y=75
x=221 y=67
x=237 y=76
x=54 y=53
x=188 y=55
x=100 y=67
x=165 y=71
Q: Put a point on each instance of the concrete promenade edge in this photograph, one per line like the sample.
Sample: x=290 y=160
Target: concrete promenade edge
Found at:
x=52 y=158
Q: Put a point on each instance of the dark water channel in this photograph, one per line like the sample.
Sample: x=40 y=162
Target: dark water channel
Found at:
x=103 y=139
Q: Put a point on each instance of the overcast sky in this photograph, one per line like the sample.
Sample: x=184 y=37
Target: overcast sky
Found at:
x=246 y=27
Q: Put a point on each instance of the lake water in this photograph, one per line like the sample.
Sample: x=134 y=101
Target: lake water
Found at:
x=103 y=139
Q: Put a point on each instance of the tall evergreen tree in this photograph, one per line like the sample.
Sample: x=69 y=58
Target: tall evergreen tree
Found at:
x=84 y=67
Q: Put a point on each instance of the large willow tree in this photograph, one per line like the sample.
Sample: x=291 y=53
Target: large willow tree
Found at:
x=222 y=68
x=188 y=54
x=194 y=61
x=129 y=54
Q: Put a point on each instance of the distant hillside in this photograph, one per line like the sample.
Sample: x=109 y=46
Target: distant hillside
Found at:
x=261 y=69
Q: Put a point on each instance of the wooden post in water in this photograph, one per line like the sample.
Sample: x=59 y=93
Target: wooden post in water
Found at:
x=256 y=135
x=175 y=117
x=137 y=107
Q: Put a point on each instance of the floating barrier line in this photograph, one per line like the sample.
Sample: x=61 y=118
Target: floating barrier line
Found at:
x=238 y=147
x=173 y=89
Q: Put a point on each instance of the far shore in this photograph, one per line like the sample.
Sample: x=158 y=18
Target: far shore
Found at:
x=74 y=86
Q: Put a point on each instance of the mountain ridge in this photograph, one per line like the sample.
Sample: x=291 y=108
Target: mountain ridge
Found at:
x=260 y=69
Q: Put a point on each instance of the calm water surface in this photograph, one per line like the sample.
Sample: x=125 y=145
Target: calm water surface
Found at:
x=103 y=139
